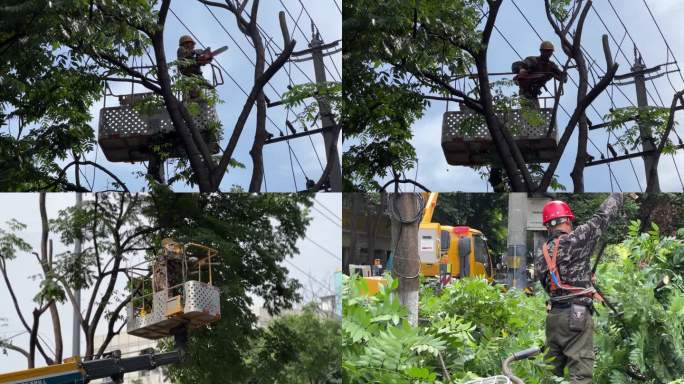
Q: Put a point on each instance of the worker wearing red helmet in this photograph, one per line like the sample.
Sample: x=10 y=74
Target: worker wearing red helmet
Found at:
x=564 y=269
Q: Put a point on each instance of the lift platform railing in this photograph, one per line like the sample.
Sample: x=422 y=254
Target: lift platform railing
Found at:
x=193 y=301
x=466 y=139
x=128 y=134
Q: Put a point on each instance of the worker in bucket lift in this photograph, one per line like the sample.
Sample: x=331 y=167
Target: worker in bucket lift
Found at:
x=564 y=269
x=168 y=266
x=534 y=72
x=187 y=51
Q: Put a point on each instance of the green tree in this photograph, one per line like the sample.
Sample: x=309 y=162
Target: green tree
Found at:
x=55 y=57
x=253 y=234
x=299 y=348
x=112 y=228
x=45 y=94
x=402 y=54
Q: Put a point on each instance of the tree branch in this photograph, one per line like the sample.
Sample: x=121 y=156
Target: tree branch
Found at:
x=246 y=109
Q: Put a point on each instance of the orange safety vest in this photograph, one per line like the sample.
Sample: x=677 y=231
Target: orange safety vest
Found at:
x=557 y=283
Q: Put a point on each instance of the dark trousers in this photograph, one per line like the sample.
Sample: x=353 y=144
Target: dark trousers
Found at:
x=568 y=348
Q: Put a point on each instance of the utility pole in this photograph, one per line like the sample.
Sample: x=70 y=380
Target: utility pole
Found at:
x=525 y=227
x=646 y=135
x=516 y=255
x=76 y=328
x=639 y=72
x=330 y=129
x=405 y=216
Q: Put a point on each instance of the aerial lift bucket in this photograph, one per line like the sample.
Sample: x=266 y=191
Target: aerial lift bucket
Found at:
x=194 y=302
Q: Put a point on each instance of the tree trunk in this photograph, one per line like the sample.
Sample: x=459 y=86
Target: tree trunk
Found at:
x=260 y=134
x=406 y=259
x=496 y=180
x=46 y=265
x=33 y=340
x=200 y=169
x=577 y=173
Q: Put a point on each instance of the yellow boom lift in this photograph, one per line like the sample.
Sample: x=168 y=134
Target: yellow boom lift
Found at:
x=445 y=251
x=181 y=300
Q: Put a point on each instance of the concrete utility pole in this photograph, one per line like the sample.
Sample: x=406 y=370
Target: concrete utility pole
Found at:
x=639 y=72
x=525 y=224
x=330 y=131
x=406 y=259
x=646 y=135
x=516 y=256
x=76 y=329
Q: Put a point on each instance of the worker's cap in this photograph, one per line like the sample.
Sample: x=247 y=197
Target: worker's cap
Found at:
x=546 y=46
x=556 y=212
x=185 y=39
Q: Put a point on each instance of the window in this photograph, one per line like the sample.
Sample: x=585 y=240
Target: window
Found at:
x=481 y=253
x=444 y=241
x=464 y=256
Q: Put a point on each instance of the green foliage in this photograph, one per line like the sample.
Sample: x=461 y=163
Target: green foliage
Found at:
x=298 y=349
x=560 y=9
x=49 y=83
x=474 y=325
x=297 y=95
x=647 y=339
x=378 y=344
x=630 y=117
x=381 y=100
x=11 y=242
x=253 y=233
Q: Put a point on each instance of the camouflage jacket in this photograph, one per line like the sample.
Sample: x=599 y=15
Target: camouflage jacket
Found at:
x=191 y=54
x=534 y=64
x=575 y=248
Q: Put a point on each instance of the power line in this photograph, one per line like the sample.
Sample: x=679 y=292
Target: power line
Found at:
x=269 y=41
x=323 y=248
x=338 y=6
x=243 y=91
x=326 y=216
x=310 y=276
x=328 y=209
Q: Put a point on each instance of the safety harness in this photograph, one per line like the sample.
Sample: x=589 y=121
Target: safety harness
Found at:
x=556 y=282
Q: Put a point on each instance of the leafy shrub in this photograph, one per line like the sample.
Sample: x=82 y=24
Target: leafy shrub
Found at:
x=472 y=325
x=645 y=342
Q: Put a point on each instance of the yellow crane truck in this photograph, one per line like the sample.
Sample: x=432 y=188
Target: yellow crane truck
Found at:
x=446 y=251
x=457 y=251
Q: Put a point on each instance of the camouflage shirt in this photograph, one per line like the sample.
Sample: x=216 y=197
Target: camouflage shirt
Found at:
x=531 y=88
x=575 y=248
x=535 y=64
x=189 y=54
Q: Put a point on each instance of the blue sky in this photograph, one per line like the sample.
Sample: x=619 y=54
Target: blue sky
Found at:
x=436 y=174
x=327 y=18
x=314 y=266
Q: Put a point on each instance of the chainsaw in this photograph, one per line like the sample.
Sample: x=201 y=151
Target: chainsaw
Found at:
x=207 y=55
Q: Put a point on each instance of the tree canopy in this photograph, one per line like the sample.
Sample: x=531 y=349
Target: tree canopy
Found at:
x=253 y=234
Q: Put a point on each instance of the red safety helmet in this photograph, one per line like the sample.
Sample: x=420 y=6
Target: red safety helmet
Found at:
x=556 y=209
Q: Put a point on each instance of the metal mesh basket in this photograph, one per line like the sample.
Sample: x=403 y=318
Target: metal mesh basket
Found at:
x=491 y=380
x=466 y=139
x=126 y=135
x=202 y=305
